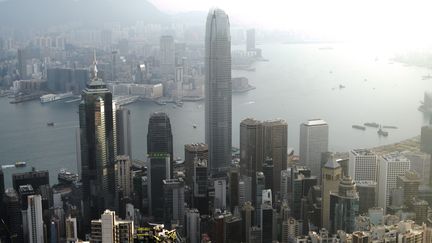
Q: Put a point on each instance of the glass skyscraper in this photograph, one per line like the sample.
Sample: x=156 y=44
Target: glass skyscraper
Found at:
x=218 y=90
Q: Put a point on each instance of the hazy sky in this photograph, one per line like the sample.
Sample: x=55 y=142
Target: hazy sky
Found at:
x=404 y=21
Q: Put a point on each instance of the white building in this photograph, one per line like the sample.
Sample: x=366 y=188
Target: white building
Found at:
x=313 y=142
x=390 y=166
x=220 y=194
x=109 y=229
x=363 y=165
x=34 y=219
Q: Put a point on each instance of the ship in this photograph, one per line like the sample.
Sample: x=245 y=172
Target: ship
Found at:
x=20 y=164
x=54 y=97
x=359 y=127
x=391 y=127
x=66 y=177
x=382 y=133
x=50 y=124
x=371 y=124
x=194 y=126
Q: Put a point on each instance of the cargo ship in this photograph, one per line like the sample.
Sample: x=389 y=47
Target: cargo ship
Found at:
x=359 y=127
x=371 y=124
x=54 y=97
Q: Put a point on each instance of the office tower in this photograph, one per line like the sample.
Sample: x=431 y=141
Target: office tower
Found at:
x=218 y=227
x=234 y=179
x=275 y=142
x=363 y=165
x=344 y=206
x=33 y=178
x=193 y=225
x=331 y=175
x=109 y=229
x=268 y=170
x=14 y=220
x=247 y=215
x=426 y=145
x=313 y=142
x=218 y=109
x=159 y=136
x=60 y=80
x=251 y=151
x=158 y=170
x=284 y=183
x=376 y=216
x=291 y=228
x=255 y=235
x=123 y=129
x=268 y=222
x=420 y=209
x=409 y=182
x=301 y=183
x=367 y=191
x=390 y=166
x=97 y=137
x=167 y=55
x=220 y=194
x=123 y=176
x=174 y=201
x=192 y=152
x=260 y=186
x=250 y=40
x=233 y=226
x=34 y=219
x=200 y=175
x=71 y=230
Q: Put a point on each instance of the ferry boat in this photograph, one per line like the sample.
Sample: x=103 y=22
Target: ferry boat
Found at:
x=371 y=124
x=359 y=127
x=50 y=124
x=54 y=97
x=20 y=164
x=66 y=177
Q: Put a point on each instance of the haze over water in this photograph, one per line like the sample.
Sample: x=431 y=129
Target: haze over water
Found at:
x=300 y=82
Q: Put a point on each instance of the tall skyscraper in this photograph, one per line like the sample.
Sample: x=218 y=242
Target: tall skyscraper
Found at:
x=344 y=206
x=193 y=152
x=331 y=175
x=275 y=142
x=14 y=219
x=220 y=194
x=250 y=40
x=159 y=136
x=200 y=175
x=409 y=182
x=98 y=150
x=247 y=215
x=124 y=139
x=363 y=165
x=174 y=201
x=268 y=222
x=218 y=92
x=167 y=55
x=110 y=229
x=313 y=142
x=367 y=191
x=123 y=176
x=192 y=225
x=234 y=179
x=34 y=219
x=158 y=170
x=390 y=166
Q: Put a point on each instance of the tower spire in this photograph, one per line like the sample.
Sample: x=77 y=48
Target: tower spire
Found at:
x=95 y=70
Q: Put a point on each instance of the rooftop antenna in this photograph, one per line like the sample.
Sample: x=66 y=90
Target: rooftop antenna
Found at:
x=95 y=70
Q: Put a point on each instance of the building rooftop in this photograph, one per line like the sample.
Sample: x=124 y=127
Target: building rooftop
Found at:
x=395 y=157
x=362 y=152
x=250 y=122
x=315 y=122
x=196 y=147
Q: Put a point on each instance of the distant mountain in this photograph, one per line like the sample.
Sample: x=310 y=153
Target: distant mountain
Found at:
x=43 y=13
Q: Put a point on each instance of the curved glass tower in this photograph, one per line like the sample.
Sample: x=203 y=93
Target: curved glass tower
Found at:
x=218 y=90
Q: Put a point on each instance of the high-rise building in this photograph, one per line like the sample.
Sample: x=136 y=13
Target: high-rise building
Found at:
x=34 y=178
x=255 y=235
x=158 y=170
x=285 y=177
x=34 y=219
x=268 y=222
x=301 y=183
x=363 y=165
x=344 y=206
x=159 y=136
x=360 y=237
x=192 y=225
x=123 y=176
x=14 y=219
x=250 y=40
x=174 y=201
x=390 y=167
x=200 y=176
x=247 y=215
x=233 y=226
x=313 y=141
x=409 y=182
x=275 y=143
x=367 y=191
x=218 y=91
x=193 y=152
x=251 y=147
x=268 y=170
x=97 y=148
x=110 y=229
x=220 y=194
x=234 y=179
x=124 y=139
x=331 y=175
x=167 y=55
x=71 y=230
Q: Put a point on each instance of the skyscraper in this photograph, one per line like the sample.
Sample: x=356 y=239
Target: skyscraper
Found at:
x=363 y=165
x=167 y=55
x=218 y=109
x=158 y=170
x=275 y=142
x=193 y=152
x=97 y=147
x=123 y=176
x=34 y=219
x=391 y=165
x=124 y=139
x=313 y=142
x=159 y=136
x=174 y=201
x=331 y=175
x=344 y=206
